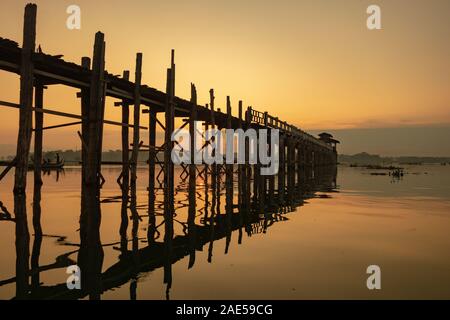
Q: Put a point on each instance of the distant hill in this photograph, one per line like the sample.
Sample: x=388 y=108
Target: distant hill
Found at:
x=365 y=158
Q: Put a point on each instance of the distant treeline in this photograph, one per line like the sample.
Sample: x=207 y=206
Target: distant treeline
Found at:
x=365 y=159
x=74 y=156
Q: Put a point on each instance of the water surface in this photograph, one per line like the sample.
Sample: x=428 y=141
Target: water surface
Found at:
x=320 y=250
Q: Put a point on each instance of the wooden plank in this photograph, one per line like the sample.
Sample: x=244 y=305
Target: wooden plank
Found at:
x=58 y=126
x=67 y=115
x=9 y=166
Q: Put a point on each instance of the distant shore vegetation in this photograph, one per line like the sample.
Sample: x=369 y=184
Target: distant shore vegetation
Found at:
x=364 y=159
x=74 y=156
x=359 y=159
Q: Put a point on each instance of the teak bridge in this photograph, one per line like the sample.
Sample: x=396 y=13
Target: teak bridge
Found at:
x=298 y=150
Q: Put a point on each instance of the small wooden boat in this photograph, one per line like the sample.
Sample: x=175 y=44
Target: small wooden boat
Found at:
x=46 y=165
x=53 y=165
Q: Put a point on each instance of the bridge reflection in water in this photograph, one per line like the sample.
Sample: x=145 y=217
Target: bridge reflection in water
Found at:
x=211 y=217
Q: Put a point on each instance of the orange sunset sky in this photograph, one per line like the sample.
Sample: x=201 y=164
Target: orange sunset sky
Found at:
x=313 y=63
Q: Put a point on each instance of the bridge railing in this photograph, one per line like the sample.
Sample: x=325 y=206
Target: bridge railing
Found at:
x=265 y=119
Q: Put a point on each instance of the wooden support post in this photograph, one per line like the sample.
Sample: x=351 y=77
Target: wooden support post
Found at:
x=96 y=112
x=169 y=173
x=241 y=169
x=215 y=169
x=248 y=169
x=229 y=181
x=26 y=99
x=206 y=169
x=241 y=179
x=262 y=179
x=137 y=117
x=125 y=175
x=37 y=160
x=271 y=178
x=281 y=170
x=214 y=188
x=90 y=257
x=256 y=185
x=151 y=176
x=229 y=167
x=192 y=177
x=23 y=149
x=85 y=106
x=125 y=181
x=291 y=168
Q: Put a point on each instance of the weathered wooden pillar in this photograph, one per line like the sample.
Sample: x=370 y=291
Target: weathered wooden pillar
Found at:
x=215 y=176
x=125 y=175
x=134 y=161
x=214 y=187
x=262 y=181
x=136 y=119
x=125 y=140
x=241 y=167
x=214 y=172
x=90 y=257
x=256 y=175
x=169 y=173
x=22 y=154
x=299 y=166
x=248 y=169
x=96 y=112
x=281 y=170
x=271 y=178
x=151 y=231
x=85 y=98
x=192 y=178
x=37 y=161
x=229 y=168
x=241 y=177
x=291 y=173
x=26 y=99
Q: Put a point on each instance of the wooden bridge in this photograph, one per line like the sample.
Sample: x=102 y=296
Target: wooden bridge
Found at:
x=298 y=150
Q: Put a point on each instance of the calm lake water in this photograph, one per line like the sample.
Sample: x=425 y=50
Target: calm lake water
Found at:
x=320 y=250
